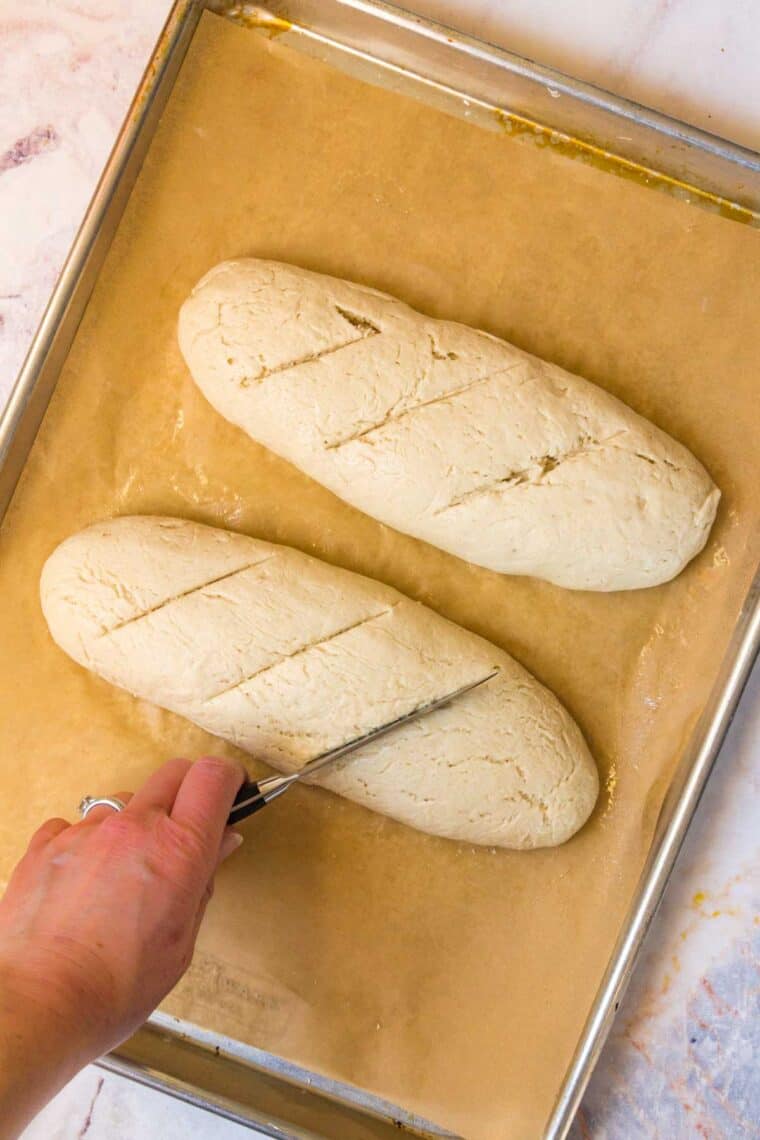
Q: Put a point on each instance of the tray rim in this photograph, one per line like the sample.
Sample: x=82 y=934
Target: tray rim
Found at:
x=397 y=15
x=674 y=138
x=20 y=419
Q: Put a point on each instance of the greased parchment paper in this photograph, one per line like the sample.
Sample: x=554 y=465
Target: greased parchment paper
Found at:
x=453 y=981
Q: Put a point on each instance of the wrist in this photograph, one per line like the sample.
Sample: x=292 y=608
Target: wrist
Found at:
x=40 y=1048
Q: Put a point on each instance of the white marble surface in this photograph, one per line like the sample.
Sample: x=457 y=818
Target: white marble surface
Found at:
x=680 y=1058
x=102 y=1106
x=697 y=60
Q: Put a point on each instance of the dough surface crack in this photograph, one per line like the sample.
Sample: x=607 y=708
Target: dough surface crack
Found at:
x=394 y=416
x=532 y=475
x=311 y=645
x=185 y=594
x=364 y=329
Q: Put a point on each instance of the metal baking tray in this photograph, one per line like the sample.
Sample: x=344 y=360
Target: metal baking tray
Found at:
x=392 y=48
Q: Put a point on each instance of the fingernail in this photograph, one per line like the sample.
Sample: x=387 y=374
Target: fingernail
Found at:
x=230 y=842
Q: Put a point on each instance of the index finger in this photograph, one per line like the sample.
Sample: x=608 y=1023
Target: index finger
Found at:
x=159 y=791
x=205 y=798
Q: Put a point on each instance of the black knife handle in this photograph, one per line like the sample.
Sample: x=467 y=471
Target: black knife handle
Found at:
x=246 y=802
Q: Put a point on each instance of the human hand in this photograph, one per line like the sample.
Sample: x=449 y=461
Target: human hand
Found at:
x=99 y=922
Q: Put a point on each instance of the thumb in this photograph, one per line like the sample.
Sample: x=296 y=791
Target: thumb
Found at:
x=231 y=840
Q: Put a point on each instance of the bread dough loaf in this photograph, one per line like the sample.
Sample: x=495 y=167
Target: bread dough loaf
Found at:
x=444 y=432
x=286 y=656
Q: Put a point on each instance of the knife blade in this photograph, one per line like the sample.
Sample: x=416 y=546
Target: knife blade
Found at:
x=256 y=794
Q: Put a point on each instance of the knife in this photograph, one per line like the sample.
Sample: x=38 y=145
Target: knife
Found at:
x=256 y=794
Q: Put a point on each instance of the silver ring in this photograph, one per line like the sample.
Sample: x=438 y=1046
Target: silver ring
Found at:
x=90 y=802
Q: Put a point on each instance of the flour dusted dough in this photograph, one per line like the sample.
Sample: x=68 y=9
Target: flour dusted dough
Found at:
x=285 y=656
x=446 y=433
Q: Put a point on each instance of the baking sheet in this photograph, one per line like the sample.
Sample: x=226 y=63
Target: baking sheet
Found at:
x=451 y=980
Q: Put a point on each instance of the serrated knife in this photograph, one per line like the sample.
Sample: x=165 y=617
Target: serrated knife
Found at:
x=256 y=794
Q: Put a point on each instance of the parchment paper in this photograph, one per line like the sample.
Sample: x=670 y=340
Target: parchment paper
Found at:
x=454 y=981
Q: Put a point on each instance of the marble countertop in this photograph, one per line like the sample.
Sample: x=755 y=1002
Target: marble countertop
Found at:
x=681 y=1058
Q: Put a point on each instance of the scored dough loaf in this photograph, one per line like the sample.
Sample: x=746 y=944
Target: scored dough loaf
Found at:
x=285 y=656
x=446 y=433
